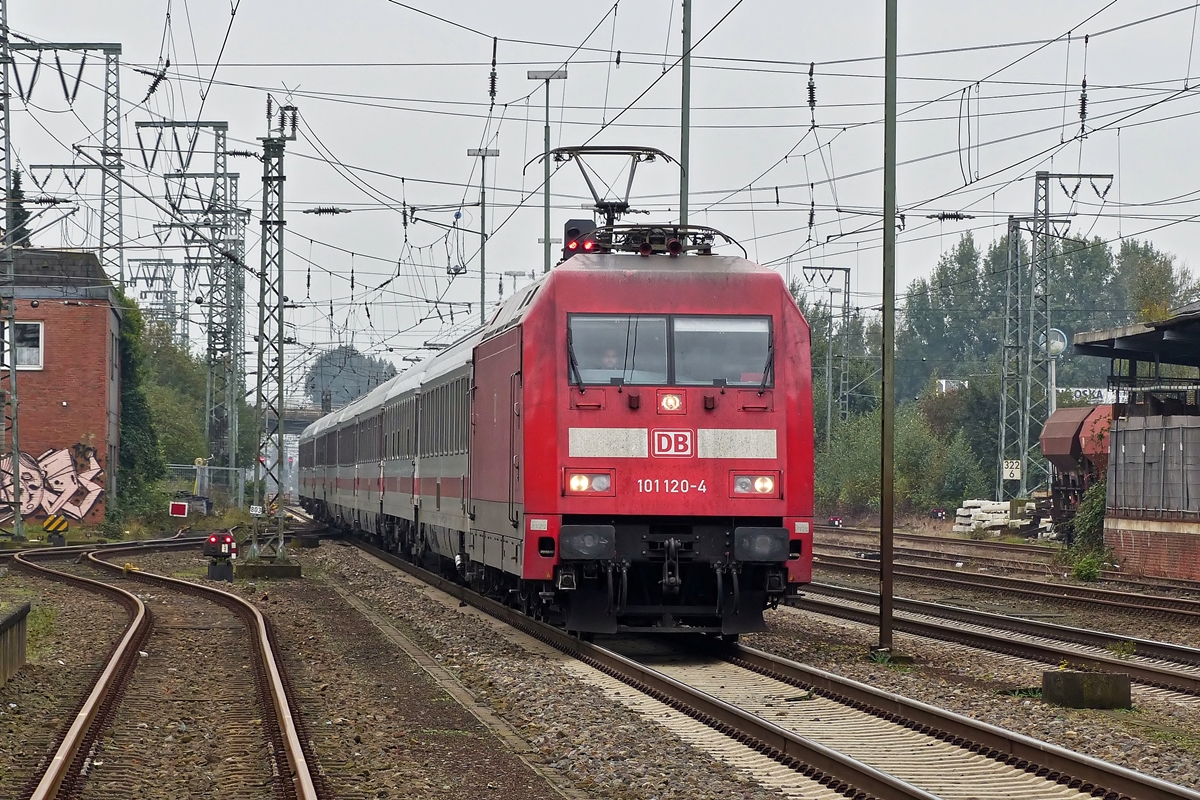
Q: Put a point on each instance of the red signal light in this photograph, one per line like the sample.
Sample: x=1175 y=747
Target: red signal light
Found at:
x=228 y=539
x=572 y=245
x=589 y=245
x=212 y=539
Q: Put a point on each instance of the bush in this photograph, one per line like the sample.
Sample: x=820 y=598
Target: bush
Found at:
x=1087 y=566
x=1088 y=524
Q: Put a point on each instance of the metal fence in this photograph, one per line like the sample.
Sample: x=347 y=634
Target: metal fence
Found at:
x=12 y=642
x=1154 y=467
x=224 y=487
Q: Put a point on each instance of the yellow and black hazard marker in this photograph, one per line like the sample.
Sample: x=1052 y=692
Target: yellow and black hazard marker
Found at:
x=56 y=523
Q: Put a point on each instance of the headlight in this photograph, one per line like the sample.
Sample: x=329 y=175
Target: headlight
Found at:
x=755 y=485
x=670 y=402
x=590 y=483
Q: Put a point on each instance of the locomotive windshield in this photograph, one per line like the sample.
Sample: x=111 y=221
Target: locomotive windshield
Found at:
x=700 y=351
x=709 y=350
x=625 y=349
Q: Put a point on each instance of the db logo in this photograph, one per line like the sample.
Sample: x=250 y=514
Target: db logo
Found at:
x=672 y=444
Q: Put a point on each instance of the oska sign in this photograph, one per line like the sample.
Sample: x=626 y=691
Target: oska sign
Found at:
x=672 y=444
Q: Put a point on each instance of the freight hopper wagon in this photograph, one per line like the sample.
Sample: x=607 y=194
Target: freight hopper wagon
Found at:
x=627 y=445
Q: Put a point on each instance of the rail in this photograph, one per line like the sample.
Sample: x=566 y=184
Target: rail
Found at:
x=1044 y=652
x=67 y=763
x=1023 y=752
x=997 y=743
x=808 y=757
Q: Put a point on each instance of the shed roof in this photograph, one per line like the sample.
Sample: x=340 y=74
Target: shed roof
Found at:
x=1175 y=340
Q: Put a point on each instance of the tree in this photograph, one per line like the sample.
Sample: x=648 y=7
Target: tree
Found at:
x=20 y=214
x=175 y=387
x=345 y=374
x=141 y=464
x=1153 y=283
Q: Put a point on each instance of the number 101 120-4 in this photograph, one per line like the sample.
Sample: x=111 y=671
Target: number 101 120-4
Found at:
x=670 y=486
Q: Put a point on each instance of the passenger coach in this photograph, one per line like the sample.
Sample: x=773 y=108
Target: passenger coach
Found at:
x=626 y=445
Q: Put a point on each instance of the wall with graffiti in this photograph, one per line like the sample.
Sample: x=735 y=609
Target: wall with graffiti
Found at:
x=68 y=481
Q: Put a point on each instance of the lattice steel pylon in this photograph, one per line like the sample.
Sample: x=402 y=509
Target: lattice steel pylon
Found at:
x=844 y=357
x=112 y=235
x=153 y=279
x=9 y=297
x=1012 y=373
x=215 y=211
x=1036 y=404
x=1035 y=470
x=270 y=461
x=112 y=238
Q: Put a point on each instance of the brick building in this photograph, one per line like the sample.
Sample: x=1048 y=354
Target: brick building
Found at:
x=68 y=382
x=1152 y=516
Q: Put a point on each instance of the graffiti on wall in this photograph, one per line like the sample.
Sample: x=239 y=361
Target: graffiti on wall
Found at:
x=68 y=481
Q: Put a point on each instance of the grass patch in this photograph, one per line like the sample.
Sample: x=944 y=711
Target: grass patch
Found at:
x=39 y=625
x=1121 y=649
x=1029 y=691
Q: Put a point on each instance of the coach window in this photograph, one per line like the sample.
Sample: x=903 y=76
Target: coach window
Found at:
x=731 y=350
x=617 y=349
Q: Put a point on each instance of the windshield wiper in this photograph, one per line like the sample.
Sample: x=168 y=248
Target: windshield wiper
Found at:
x=573 y=363
x=768 y=368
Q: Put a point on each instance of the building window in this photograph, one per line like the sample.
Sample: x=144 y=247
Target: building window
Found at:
x=29 y=346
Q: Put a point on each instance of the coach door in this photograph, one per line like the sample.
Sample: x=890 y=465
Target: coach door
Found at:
x=497 y=450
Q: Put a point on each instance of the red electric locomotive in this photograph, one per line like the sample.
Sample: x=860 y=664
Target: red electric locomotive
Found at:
x=627 y=445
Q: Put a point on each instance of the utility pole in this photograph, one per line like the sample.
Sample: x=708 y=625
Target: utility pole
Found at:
x=270 y=462
x=10 y=301
x=888 y=398
x=546 y=76
x=482 y=155
x=685 y=114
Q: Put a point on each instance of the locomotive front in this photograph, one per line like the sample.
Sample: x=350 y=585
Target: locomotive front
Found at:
x=672 y=443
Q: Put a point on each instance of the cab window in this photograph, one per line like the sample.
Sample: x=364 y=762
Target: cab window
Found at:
x=618 y=349
x=732 y=350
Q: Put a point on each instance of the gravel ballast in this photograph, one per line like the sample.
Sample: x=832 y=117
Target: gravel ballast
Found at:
x=70 y=633
x=387 y=728
x=1157 y=737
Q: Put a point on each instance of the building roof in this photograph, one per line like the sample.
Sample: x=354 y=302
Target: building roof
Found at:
x=1175 y=340
x=79 y=269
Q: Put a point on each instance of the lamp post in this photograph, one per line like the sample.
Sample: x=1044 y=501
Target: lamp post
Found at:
x=547 y=76
x=482 y=155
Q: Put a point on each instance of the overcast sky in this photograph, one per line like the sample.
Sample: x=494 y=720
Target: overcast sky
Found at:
x=989 y=93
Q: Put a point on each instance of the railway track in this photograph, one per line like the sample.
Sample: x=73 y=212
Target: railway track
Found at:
x=134 y=686
x=1031 y=559
x=879 y=745
x=1177 y=607
x=1158 y=664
